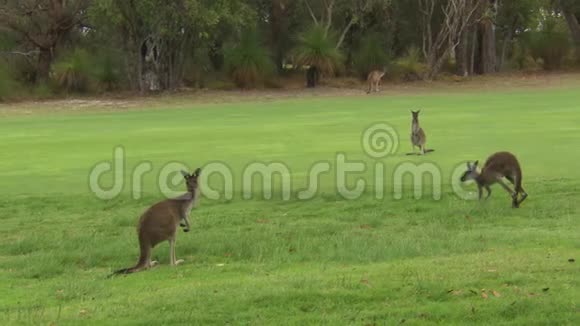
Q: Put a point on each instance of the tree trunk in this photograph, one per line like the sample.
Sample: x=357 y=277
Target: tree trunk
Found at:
x=44 y=63
x=216 y=55
x=461 y=54
x=473 y=55
x=506 y=42
x=574 y=26
x=311 y=77
x=278 y=29
x=488 y=52
x=150 y=64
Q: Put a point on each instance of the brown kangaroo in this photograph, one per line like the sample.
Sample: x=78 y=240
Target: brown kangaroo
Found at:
x=159 y=223
x=497 y=166
x=418 y=137
x=374 y=79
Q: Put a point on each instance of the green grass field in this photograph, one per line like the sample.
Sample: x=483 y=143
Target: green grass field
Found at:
x=326 y=260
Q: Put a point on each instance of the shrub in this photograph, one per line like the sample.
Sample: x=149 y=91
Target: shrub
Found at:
x=410 y=67
x=8 y=86
x=370 y=55
x=72 y=73
x=108 y=72
x=551 y=44
x=317 y=50
x=248 y=62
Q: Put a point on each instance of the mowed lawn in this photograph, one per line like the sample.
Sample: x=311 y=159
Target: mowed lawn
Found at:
x=326 y=260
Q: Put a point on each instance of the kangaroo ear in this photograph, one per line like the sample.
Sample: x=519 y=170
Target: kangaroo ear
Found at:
x=185 y=174
x=468 y=166
x=475 y=164
x=197 y=172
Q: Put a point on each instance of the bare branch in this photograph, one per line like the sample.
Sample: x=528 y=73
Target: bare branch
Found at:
x=311 y=12
x=25 y=54
x=345 y=31
x=329 y=8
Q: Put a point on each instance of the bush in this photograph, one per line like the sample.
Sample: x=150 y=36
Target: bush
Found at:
x=108 y=72
x=371 y=55
x=409 y=67
x=72 y=73
x=318 y=49
x=8 y=86
x=249 y=61
x=551 y=44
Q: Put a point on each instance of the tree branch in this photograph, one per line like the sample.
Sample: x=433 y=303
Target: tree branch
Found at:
x=311 y=12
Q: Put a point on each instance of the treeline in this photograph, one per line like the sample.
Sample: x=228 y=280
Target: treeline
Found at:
x=52 y=46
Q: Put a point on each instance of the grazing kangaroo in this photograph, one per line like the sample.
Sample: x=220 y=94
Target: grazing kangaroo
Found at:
x=159 y=223
x=418 y=137
x=497 y=166
x=374 y=80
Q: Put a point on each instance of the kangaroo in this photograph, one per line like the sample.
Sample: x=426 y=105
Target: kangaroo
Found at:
x=160 y=221
x=374 y=80
x=498 y=165
x=418 y=137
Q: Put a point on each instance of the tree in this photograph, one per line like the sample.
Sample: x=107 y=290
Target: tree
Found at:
x=44 y=24
x=441 y=38
x=160 y=36
x=324 y=12
x=571 y=11
x=513 y=18
x=316 y=49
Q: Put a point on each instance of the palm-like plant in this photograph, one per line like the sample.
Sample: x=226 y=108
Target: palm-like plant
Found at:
x=73 y=72
x=317 y=50
x=249 y=61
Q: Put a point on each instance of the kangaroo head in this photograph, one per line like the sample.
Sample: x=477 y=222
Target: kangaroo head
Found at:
x=415 y=114
x=191 y=180
x=471 y=173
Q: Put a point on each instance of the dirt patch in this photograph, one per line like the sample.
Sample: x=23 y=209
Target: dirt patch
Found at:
x=339 y=87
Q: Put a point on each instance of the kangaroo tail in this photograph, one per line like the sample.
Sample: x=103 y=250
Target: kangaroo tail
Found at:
x=143 y=262
x=518 y=183
x=126 y=271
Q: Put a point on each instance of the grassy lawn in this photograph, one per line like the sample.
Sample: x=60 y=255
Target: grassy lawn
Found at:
x=326 y=260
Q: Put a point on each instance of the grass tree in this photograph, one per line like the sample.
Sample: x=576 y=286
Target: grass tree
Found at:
x=249 y=62
x=317 y=50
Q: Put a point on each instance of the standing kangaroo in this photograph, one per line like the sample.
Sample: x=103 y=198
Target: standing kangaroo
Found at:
x=159 y=223
x=374 y=80
x=497 y=166
x=418 y=137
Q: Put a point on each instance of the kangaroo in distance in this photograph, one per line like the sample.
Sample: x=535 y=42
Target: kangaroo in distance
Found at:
x=418 y=137
x=374 y=79
x=159 y=223
x=497 y=166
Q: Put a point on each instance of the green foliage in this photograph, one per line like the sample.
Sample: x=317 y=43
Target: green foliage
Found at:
x=317 y=48
x=7 y=83
x=551 y=44
x=73 y=72
x=371 y=55
x=410 y=67
x=522 y=58
x=249 y=61
x=108 y=72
